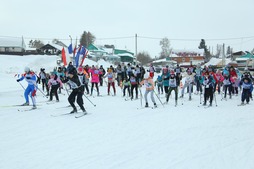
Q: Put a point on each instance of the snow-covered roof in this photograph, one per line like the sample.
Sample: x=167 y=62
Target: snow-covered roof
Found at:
x=56 y=46
x=125 y=54
x=198 y=51
x=164 y=60
x=216 y=61
x=12 y=42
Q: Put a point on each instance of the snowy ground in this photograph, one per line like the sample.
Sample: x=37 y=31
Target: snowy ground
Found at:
x=117 y=135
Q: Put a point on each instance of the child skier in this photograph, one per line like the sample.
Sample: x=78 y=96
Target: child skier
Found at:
x=159 y=83
x=208 y=82
x=165 y=76
x=173 y=86
x=134 y=85
x=189 y=81
x=53 y=84
x=227 y=83
x=149 y=84
x=31 y=88
x=126 y=85
x=95 y=73
x=111 y=80
x=247 y=88
x=220 y=80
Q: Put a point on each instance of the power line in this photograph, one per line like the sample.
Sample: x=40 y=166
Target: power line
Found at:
x=237 y=38
x=143 y=37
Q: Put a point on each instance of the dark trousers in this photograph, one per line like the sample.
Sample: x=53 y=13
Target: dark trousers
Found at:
x=43 y=82
x=128 y=90
x=169 y=92
x=227 y=88
x=86 y=87
x=53 y=91
x=208 y=93
x=166 y=89
x=72 y=97
x=113 y=86
x=135 y=86
x=160 y=88
x=246 y=95
x=96 y=86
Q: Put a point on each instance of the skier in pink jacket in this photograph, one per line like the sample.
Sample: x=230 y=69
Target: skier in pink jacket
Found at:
x=95 y=72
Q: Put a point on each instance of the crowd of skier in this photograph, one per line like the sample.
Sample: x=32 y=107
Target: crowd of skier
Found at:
x=85 y=80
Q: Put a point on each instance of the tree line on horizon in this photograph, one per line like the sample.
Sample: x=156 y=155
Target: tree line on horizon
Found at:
x=144 y=57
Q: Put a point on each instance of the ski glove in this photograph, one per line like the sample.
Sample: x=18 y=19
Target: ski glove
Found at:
x=18 y=80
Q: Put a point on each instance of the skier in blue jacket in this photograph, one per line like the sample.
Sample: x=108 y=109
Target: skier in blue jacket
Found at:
x=30 y=77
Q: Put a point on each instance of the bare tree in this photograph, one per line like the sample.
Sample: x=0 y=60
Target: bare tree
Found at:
x=165 y=48
x=35 y=44
x=144 y=58
x=58 y=42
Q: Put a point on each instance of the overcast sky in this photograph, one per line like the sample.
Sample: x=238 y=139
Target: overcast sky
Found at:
x=116 y=22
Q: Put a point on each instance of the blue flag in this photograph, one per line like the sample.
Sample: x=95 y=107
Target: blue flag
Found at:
x=70 y=49
x=77 y=57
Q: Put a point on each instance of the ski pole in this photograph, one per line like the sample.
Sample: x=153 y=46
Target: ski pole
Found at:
x=200 y=98
x=66 y=90
x=40 y=91
x=89 y=100
x=215 y=99
x=22 y=86
x=158 y=98
x=141 y=96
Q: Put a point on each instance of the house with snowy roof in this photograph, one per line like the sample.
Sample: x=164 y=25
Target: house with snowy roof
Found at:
x=110 y=54
x=12 y=45
x=50 y=49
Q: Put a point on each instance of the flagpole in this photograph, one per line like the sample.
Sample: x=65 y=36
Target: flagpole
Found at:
x=74 y=52
x=70 y=38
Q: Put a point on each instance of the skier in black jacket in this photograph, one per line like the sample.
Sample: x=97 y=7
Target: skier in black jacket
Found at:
x=77 y=90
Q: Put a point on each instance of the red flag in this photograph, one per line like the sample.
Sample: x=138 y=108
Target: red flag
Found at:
x=84 y=56
x=64 y=57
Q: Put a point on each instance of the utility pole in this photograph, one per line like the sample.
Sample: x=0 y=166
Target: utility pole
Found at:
x=223 y=55
x=136 y=48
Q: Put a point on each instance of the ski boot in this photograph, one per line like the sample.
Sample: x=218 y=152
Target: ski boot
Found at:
x=74 y=110
x=189 y=98
x=25 y=104
x=34 y=107
x=146 y=105
x=155 y=105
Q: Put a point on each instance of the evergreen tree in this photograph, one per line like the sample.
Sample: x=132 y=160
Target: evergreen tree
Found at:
x=202 y=45
x=87 y=38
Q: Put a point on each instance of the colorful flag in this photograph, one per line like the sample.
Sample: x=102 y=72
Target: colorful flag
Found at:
x=64 y=57
x=77 y=57
x=84 y=56
x=70 y=49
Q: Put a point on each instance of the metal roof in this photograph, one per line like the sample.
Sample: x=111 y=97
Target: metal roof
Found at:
x=12 y=42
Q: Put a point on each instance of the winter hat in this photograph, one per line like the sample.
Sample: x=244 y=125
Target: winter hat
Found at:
x=71 y=71
x=80 y=69
x=27 y=69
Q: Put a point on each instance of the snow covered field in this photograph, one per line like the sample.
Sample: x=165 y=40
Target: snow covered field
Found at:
x=116 y=134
